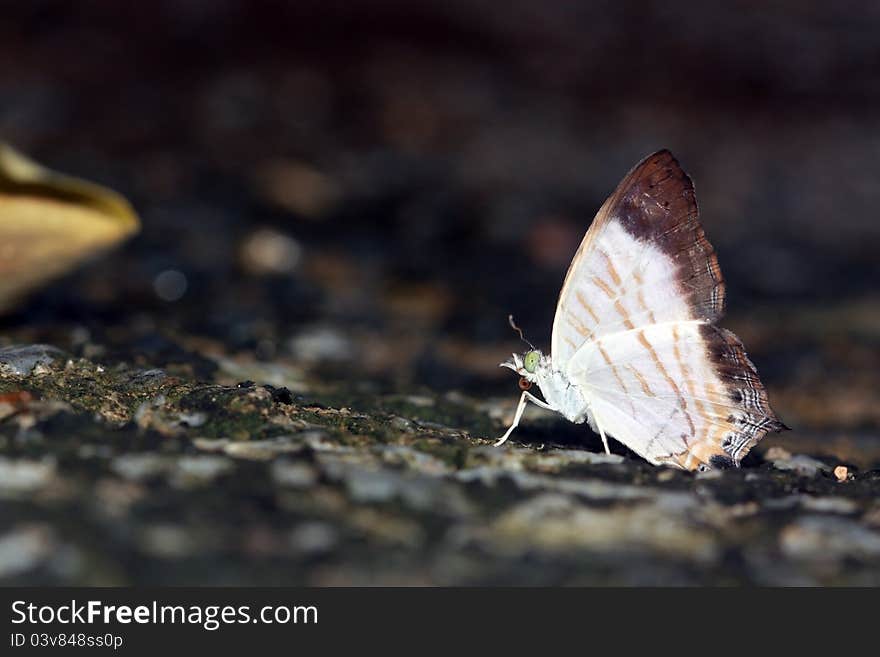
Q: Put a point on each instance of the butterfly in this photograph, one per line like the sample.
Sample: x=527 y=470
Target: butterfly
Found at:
x=636 y=351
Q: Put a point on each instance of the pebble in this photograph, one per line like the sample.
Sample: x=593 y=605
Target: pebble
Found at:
x=559 y=524
x=202 y=468
x=369 y=483
x=320 y=441
x=115 y=497
x=413 y=458
x=24 y=548
x=370 y=486
x=313 y=538
x=261 y=450
x=293 y=474
x=139 y=466
x=386 y=528
x=402 y=424
x=267 y=251
x=211 y=444
x=21 y=360
x=802 y=465
x=828 y=538
x=840 y=505
x=25 y=476
x=89 y=451
x=319 y=343
x=420 y=400
x=167 y=541
x=148 y=377
x=196 y=419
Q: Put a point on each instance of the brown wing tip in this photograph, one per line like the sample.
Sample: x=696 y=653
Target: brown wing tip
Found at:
x=659 y=187
x=662 y=159
x=663 y=153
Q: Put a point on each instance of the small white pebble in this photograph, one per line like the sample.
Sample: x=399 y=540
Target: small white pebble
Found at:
x=268 y=251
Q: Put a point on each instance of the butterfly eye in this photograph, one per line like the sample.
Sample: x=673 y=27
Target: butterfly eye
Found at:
x=524 y=383
x=530 y=361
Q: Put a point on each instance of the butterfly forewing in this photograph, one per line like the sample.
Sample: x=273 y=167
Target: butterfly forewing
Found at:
x=644 y=260
x=634 y=328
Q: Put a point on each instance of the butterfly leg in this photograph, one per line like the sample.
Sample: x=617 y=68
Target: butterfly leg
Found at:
x=523 y=399
x=604 y=441
x=597 y=425
x=602 y=434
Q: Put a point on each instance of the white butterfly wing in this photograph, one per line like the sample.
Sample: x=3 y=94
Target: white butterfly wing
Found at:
x=634 y=329
x=683 y=393
x=644 y=260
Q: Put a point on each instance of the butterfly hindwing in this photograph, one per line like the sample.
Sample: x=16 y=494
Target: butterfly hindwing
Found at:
x=682 y=393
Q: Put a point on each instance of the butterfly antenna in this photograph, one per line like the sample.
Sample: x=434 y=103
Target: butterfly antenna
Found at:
x=519 y=331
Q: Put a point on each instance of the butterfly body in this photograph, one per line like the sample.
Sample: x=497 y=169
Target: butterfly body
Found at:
x=557 y=389
x=636 y=351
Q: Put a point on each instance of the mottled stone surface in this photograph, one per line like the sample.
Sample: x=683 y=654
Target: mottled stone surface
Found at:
x=123 y=476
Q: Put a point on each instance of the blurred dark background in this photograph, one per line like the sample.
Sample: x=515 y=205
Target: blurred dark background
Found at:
x=367 y=189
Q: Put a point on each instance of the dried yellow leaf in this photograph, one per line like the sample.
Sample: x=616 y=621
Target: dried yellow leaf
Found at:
x=50 y=222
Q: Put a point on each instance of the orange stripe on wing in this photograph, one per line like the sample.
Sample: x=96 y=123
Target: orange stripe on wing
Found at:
x=587 y=307
x=625 y=315
x=610 y=267
x=612 y=366
x=602 y=285
x=618 y=377
x=686 y=374
x=644 y=306
x=681 y=400
x=642 y=381
x=578 y=325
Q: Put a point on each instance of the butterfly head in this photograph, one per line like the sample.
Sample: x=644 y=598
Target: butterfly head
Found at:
x=526 y=365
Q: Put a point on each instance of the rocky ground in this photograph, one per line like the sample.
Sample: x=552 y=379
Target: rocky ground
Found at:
x=113 y=474
x=290 y=375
